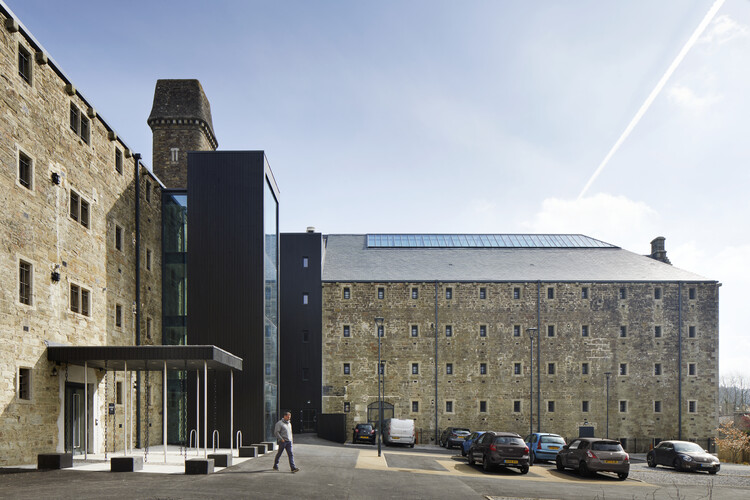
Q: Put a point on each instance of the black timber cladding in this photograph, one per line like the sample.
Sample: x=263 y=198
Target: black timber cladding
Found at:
x=300 y=336
x=225 y=265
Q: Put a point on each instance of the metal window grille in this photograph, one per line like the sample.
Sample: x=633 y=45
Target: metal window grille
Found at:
x=623 y=331
x=517 y=369
x=347 y=331
x=24 y=170
x=584 y=293
x=449 y=293
x=585 y=369
x=551 y=368
x=517 y=406
x=75 y=298
x=448 y=331
x=118 y=160
x=347 y=368
x=85 y=128
x=414 y=331
x=85 y=302
x=449 y=406
x=482 y=293
x=623 y=368
x=415 y=406
x=657 y=369
x=449 y=369
x=584 y=330
x=550 y=293
x=657 y=406
x=483 y=368
x=24 y=282
x=75 y=119
x=415 y=368
x=347 y=293
x=415 y=293
x=482 y=330
x=24 y=383
x=550 y=406
x=623 y=406
x=584 y=406
x=550 y=330
x=516 y=330
x=657 y=331
x=381 y=293
x=24 y=64
x=118 y=315
x=657 y=293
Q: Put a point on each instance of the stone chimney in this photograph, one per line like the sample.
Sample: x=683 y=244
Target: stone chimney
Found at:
x=658 y=251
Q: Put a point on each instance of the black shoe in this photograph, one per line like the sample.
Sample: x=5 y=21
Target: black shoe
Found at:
x=295 y=469
x=275 y=467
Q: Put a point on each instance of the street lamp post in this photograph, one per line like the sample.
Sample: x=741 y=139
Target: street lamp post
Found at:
x=608 y=374
x=378 y=325
x=531 y=332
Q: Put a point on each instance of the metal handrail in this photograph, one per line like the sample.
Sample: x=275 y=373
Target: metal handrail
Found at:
x=193 y=432
x=238 y=440
x=214 y=438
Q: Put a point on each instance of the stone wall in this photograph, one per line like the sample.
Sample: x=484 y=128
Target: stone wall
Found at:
x=499 y=313
x=36 y=227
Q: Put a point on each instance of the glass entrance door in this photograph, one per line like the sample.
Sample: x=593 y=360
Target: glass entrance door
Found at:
x=75 y=424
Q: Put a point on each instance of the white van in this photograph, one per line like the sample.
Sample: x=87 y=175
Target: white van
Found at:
x=398 y=431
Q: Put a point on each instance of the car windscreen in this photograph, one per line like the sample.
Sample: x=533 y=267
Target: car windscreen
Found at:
x=687 y=448
x=553 y=439
x=364 y=427
x=606 y=446
x=507 y=440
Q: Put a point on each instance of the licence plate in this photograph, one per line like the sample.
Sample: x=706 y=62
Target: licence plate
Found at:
x=554 y=447
x=707 y=465
x=511 y=461
x=395 y=438
x=611 y=462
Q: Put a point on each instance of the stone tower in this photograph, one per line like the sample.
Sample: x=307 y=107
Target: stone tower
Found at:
x=180 y=121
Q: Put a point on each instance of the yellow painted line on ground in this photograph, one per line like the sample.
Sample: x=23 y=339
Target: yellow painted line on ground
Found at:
x=368 y=459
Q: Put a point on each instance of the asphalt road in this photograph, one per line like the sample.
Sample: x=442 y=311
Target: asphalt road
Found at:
x=333 y=471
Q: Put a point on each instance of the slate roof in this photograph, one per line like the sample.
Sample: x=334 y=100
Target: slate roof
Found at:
x=347 y=258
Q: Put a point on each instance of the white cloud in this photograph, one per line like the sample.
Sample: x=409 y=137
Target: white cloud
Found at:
x=724 y=29
x=614 y=219
x=685 y=98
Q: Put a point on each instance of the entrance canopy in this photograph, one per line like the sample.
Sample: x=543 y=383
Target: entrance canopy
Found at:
x=146 y=357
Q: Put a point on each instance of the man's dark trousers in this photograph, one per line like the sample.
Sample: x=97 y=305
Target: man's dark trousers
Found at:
x=286 y=445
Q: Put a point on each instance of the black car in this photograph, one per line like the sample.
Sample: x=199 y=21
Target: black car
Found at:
x=683 y=455
x=505 y=449
x=364 y=433
x=454 y=436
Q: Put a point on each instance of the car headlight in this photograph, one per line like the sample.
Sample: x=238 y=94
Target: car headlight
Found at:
x=686 y=458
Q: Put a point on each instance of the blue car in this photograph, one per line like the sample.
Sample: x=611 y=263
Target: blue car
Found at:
x=469 y=441
x=543 y=446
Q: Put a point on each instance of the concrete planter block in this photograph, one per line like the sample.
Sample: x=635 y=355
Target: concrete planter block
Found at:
x=262 y=448
x=221 y=459
x=199 y=466
x=248 y=451
x=126 y=464
x=270 y=445
x=54 y=460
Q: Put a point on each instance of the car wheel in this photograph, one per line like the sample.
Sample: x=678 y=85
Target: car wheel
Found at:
x=411 y=445
x=622 y=475
x=470 y=459
x=713 y=471
x=583 y=469
x=651 y=460
x=559 y=464
x=676 y=464
x=531 y=458
x=486 y=465
x=524 y=469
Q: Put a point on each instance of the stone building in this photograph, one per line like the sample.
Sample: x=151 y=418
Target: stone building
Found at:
x=68 y=257
x=458 y=315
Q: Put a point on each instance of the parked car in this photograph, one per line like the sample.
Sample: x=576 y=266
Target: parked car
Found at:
x=454 y=436
x=683 y=455
x=399 y=431
x=543 y=446
x=591 y=455
x=365 y=433
x=505 y=449
x=469 y=441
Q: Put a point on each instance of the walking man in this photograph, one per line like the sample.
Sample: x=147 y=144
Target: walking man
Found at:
x=283 y=433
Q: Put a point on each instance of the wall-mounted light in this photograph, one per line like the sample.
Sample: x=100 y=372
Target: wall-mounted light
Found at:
x=55 y=276
x=55 y=178
x=54 y=371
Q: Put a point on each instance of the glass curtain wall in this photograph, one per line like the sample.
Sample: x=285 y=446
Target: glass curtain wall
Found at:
x=271 y=308
x=174 y=306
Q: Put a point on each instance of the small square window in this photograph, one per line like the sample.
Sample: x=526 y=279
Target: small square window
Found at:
x=25 y=282
x=516 y=368
x=449 y=368
x=657 y=406
x=118 y=237
x=449 y=407
x=584 y=330
x=516 y=406
x=24 y=384
x=692 y=369
x=381 y=331
x=415 y=406
x=623 y=406
x=692 y=406
x=482 y=330
x=623 y=331
x=347 y=331
x=550 y=330
x=550 y=293
x=623 y=369
x=415 y=293
x=79 y=209
x=25 y=170
x=657 y=368
x=482 y=293
x=118 y=161
x=448 y=293
x=483 y=368
x=623 y=293
x=381 y=293
x=516 y=293
x=585 y=406
x=347 y=293
x=584 y=368
x=691 y=332
x=691 y=293
x=550 y=368
x=657 y=331
x=551 y=406
x=347 y=368
x=79 y=300
x=24 y=64
x=516 y=330
x=347 y=406
x=414 y=331
x=448 y=330
x=415 y=368
x=118 y=315
x=305 y=262
x=483 y=407
x=657 y=293
x=585 y=292
x=305 y=299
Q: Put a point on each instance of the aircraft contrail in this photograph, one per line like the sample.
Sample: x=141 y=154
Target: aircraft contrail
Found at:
x=659 y=86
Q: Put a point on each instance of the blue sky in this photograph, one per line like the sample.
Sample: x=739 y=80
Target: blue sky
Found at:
x=456 y=117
